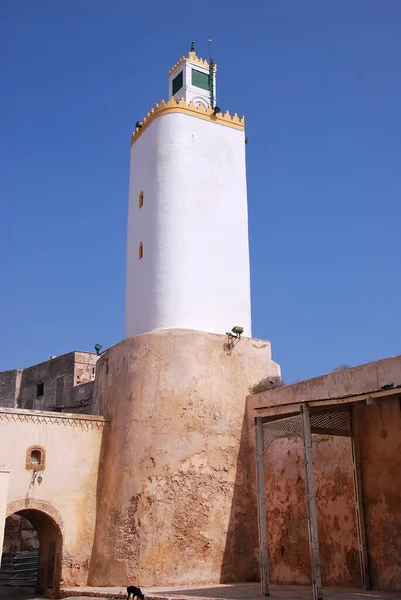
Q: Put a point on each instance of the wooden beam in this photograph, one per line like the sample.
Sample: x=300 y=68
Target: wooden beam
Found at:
x=311 y=505
x=281 y=409
x=261 y=498
x=286 y=410
x=359 y=510
x=377 y=395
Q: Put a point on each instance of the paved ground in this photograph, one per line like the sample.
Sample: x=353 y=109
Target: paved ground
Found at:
x=241 y=591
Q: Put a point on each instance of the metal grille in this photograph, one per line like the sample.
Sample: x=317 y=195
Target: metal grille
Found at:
x=287 y=427
x=334 y=421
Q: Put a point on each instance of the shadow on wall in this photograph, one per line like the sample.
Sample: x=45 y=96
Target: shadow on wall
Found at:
x=239 y=563
x=50 y=549
x=20 y=535
x=289 y=561
x=101 y=534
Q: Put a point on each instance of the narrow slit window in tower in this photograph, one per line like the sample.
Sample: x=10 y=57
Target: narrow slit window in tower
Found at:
x=140 y=201
x=140 y=250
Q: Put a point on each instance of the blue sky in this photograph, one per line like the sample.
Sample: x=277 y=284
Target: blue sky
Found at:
x=320 y=86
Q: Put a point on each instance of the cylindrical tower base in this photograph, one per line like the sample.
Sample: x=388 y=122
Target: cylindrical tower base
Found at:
x=174 y=502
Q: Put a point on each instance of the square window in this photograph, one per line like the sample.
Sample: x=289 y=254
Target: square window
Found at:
x=40 y=388
x=178 y=82
x=200 y=79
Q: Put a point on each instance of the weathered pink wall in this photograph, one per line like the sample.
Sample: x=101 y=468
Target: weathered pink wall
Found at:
x=286 y=511
x=380 y=426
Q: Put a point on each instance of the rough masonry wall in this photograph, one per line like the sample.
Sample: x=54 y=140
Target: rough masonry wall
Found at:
x=84 y=367
x=47 y=372
x=19 y=535
x=62 y=378
x=174 y=504
x=9 y=387
x=80 y=399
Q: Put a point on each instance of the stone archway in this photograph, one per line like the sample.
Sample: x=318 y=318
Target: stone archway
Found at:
x=49 y=526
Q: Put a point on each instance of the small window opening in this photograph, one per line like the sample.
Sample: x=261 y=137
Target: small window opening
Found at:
x=178 y=82
x=40 y=388
x=140 y=200
x=140 y=251
x=36 y=457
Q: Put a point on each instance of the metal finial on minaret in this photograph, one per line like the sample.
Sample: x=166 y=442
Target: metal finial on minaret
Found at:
x=192 y=47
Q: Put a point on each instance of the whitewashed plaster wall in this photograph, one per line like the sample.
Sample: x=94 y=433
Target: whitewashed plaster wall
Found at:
x=194 y=226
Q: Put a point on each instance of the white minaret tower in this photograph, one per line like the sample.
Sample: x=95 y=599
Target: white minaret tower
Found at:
x=187 y=239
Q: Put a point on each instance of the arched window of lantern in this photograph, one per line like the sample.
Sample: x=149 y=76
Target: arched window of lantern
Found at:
x=140 y=250
x=140 y=200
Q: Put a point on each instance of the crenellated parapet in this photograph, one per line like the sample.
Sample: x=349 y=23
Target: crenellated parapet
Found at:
x=193 y=58
x=180 y=106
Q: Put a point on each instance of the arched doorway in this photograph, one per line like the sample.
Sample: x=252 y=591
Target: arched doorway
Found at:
x=50 y=543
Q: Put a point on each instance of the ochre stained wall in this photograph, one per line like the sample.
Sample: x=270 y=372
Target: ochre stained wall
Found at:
x=289 y=560
x=380 y=427
x=380 y=442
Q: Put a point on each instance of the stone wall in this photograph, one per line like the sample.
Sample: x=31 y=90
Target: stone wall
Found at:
x=174 y=503
x=19 y=535
x=10 y=382
x=52 y=385
x=60 y=368
x=81 y=399
x=84 y=367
